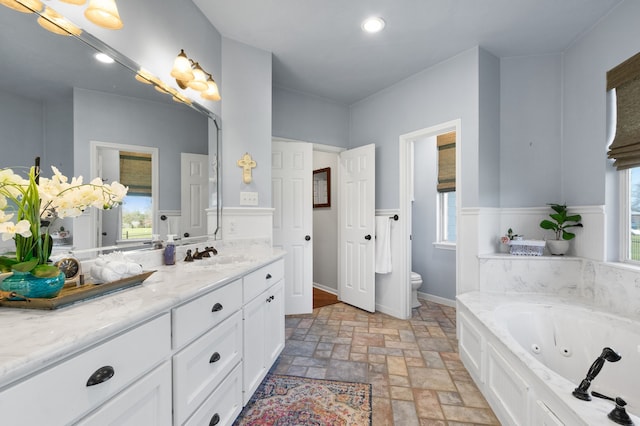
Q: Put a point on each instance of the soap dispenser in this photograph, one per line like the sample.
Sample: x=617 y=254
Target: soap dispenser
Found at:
x=170 y=251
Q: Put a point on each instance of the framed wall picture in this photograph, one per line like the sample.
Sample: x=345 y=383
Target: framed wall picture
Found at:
x=322 y=187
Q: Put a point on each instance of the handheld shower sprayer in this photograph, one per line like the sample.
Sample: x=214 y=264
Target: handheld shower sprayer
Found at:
x=582 y=391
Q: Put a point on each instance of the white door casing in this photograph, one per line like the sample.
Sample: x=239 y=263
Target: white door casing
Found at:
x=291 y=176
x=404 y=275
x=194 y=189
x=356 y=280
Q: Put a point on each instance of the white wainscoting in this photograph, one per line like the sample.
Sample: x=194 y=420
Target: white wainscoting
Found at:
x=242 y=223
x=392 y=289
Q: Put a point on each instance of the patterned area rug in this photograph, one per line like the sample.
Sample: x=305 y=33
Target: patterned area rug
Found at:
x=288 y=401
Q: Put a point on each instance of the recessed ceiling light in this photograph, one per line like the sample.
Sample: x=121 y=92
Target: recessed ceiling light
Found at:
x=372 y=25
x=104 y=58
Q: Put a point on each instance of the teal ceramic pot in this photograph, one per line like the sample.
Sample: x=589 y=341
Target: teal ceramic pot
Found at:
x=32 y=287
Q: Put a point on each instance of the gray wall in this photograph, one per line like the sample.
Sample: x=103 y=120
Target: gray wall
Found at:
x=488 y=130
x=530 y=131
x=33 y=128
x=246 y=118
x=21 y=135
x=436 y=95
x=173 y=128
x=308 y=118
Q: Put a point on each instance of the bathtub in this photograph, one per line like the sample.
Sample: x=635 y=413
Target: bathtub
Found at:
x=527 y=353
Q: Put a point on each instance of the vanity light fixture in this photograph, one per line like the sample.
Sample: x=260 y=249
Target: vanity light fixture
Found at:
x=181 y=70
x=24 y=6
x=199 y=81
x=212 y=93
x=52 y=21
x=189 y=73
x=373 y=25
x=104 y=13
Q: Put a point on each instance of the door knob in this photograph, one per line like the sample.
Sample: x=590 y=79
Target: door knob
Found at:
x=367 y=237
x=307 y=238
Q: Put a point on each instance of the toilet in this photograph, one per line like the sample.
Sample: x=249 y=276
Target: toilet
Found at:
x=416 y=282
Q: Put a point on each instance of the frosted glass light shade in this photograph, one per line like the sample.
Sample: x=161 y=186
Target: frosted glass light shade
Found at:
x=52 y=21
x=24 y=6
x=182 y=68
x=104 y=13
x=212 y=93
x=199 y=81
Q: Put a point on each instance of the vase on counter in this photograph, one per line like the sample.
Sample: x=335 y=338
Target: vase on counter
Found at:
x=32 y=287
x=558 y=247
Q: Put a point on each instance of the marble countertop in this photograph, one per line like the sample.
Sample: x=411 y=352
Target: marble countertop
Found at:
x=33 y=339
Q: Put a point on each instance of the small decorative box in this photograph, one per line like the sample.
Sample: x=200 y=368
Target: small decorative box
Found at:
x=526 y=247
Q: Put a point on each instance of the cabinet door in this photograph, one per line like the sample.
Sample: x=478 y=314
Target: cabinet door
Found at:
x=254 y=345
x=274 y=324
x=147 y=402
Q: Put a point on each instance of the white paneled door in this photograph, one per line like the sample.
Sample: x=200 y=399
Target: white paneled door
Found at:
x=194 y=193
x=291 y=175
x=356 y=281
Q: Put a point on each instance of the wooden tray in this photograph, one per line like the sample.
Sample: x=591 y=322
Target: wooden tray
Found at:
x=69 y=295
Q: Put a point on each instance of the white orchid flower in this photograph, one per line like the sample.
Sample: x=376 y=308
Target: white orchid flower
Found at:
x=9 y=229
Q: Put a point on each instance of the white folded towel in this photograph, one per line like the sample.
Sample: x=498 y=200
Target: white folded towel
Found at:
x=383 y=245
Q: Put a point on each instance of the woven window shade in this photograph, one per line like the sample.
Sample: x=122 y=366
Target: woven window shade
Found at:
x=446 y=162
x=135 y=172
x=625 y=79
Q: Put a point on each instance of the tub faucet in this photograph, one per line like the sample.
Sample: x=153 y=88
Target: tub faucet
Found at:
x=618 y=414
x=582 y=391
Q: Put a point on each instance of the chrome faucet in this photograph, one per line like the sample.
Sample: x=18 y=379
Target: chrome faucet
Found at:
x=582 y=391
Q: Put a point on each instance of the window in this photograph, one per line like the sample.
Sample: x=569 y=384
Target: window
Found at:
x=136 y=217
x=623 y=86
x=447 y=217
x=446 y=144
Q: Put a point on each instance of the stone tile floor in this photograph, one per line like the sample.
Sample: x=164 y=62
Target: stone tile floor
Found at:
x=413 y=365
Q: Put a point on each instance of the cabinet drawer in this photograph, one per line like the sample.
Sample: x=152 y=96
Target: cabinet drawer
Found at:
x=200 y=367
x=258 y=281
x=197 y=316
x=146 y=402
x=60 y=394
x=225 y=403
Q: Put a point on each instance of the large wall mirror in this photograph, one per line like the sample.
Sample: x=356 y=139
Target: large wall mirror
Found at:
x=57 y=101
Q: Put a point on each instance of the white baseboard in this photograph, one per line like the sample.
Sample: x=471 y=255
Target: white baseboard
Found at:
x=325 y=288
x=437 y=299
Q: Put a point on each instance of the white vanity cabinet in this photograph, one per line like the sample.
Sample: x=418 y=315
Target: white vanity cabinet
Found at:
x=62 y=393
x=194 y=357
x=263 y=324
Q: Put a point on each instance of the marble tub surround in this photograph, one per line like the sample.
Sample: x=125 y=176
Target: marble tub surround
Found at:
x=612 y=287
x=485 y=341
x=37 y=338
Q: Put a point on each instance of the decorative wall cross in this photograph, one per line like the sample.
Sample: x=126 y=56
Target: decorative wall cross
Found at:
x=247 y=163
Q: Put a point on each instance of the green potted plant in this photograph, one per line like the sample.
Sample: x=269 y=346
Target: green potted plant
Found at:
x=562 y=221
